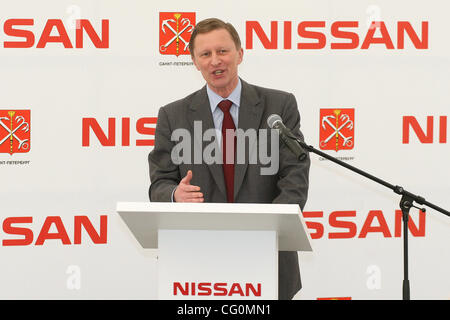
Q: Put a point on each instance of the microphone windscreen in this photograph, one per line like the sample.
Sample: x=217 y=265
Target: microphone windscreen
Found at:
x=272 y=119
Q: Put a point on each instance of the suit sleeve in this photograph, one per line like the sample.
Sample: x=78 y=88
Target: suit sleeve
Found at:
x=164 y=174
x=293 y=175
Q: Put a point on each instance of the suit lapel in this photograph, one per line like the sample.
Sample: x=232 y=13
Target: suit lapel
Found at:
x=199 y=110
x=250 y=113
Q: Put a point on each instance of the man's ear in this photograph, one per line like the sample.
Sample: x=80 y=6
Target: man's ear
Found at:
x=194 y=61
x=241 y=55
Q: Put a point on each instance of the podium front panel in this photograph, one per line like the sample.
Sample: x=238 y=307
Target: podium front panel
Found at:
x=218 y=264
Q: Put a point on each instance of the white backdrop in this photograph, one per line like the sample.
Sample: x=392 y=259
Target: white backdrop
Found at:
x=131 y=79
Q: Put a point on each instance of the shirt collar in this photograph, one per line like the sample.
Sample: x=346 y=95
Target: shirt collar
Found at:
x=234 y=96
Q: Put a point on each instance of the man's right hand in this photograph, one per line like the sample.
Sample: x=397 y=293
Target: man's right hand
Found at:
x=185 y=192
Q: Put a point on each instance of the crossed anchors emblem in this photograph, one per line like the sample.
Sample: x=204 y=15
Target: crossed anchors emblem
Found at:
x=186 y=27
x=337 y=127
x=21 y=124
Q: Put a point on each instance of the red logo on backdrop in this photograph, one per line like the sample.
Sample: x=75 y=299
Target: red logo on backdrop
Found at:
x=20 y=227
x=15 y=131
x=325 y=33
x=145 y=126
x=175 y=29
x=337 y=129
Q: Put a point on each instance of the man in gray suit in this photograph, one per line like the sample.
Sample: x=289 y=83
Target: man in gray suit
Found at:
x=216 y=52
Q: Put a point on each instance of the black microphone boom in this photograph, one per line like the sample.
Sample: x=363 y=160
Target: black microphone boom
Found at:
x=274 y=121
x=406 y=202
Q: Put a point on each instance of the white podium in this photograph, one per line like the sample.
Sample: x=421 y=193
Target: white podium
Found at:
x=217 y=250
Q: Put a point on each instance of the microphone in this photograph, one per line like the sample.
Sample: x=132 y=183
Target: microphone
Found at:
x=274 y=121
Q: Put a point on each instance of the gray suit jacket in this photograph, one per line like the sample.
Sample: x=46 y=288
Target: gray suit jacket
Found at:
x=288 y=185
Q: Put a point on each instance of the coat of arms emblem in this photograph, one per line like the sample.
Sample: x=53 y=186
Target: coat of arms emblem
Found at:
x=175 y=29
x=14 y=131
x=337 y=129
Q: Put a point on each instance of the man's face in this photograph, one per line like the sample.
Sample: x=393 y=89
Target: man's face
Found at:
x=217 y=58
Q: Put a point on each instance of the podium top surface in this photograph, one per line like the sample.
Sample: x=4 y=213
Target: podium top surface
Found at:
x=144 y=219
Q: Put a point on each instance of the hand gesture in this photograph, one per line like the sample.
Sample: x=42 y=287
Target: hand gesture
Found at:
x=185 y=192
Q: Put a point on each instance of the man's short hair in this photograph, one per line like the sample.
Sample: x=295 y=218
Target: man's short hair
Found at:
x=211 y=24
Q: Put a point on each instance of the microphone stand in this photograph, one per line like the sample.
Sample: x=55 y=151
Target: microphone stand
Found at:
x=406 y=202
